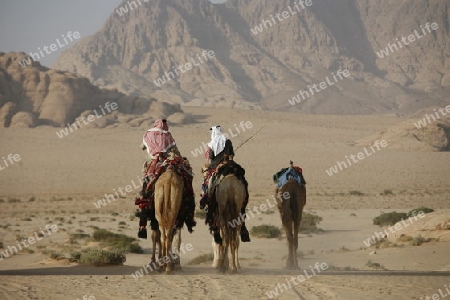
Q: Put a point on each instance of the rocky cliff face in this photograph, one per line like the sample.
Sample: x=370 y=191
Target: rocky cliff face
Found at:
x=266 y=67
x=34 y=95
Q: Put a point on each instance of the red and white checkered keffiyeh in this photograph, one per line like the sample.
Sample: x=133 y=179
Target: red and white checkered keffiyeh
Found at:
x=158 y=139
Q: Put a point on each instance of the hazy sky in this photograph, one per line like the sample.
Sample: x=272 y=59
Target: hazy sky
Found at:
x=26 y=25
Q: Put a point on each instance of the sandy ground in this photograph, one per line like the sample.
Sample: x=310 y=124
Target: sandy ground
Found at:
x=66 y=176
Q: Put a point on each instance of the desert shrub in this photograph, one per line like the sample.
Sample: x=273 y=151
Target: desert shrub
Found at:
x=423 y=209
x=356 y=193
x=114 y=240
x=74 y=237
x=203 y=258
x=32 y=199
x=97 y=257
x=266 y=231
x=405 y=238
x=309 y=223
x=1 y=245
x=201 y=214
x=13 y=200
x=387 y=193
x=375 y=265
x=136 y=248
x=122 y=223
x=56 y=255
x=418 y=240
x=389 y=219
x=75 y=256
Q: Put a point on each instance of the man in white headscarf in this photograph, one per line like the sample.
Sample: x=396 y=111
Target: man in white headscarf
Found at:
x=220 y=149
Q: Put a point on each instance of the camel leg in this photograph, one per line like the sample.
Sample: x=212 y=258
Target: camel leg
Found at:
x=296 y=228
x=177 y=242
x=163 y=248
x=156 y=241
x=233 y=247
x=295 y=245
x=168 y=250
x=237 y=251
x=216 y=252
x=223 y=262
x=290 y=259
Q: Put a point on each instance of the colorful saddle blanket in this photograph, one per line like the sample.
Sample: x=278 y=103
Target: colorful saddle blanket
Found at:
x=281 y=177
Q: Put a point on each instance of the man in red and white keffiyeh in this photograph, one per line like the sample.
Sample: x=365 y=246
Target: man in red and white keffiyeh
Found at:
x=158 y=139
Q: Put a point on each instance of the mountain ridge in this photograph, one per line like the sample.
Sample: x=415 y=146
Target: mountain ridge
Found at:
x=265 y=70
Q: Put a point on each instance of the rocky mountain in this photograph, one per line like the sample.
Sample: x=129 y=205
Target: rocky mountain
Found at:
x=33 y=95
x=265 y=53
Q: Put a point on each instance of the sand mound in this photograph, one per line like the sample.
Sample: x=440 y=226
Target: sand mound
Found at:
x=434 y=136
x=431 y=226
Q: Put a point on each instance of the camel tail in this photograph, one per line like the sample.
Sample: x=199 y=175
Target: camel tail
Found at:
x=294 y=204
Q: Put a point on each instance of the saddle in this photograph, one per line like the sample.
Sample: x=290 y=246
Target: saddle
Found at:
x=294 y=172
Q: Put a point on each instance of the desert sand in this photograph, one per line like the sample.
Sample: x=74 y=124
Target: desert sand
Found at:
x=66 y=176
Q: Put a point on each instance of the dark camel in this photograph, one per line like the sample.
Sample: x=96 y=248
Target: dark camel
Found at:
x=230 y=195
x=291 y=209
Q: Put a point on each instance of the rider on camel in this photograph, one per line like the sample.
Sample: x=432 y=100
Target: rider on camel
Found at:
x=220 y=151
x=158 y=141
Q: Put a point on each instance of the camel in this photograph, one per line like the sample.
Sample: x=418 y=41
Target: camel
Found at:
x=230 y=196
x=291 y=209
x=168 y=197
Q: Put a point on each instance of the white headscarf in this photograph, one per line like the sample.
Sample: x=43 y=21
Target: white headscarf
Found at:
x=218 y=140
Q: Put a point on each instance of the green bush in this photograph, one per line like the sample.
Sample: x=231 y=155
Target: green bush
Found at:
x=389 y=219
x=418 y=240
x=201 y=214
x=113 y=240
x=97 y=257
x=309 y=223
x=56 y=255
x=266 y=231
x=75 y=256
x=136 y=248
x=356 y=193
x=387 y=193
x=423 y=209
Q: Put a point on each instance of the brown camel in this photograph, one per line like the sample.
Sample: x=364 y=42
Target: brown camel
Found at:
x=291 y=198
x=230 y=196
x=168 y=195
